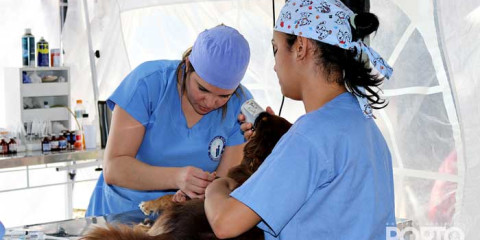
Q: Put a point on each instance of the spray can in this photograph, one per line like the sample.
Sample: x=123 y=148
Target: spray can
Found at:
x=28 y=48
x=42 y=53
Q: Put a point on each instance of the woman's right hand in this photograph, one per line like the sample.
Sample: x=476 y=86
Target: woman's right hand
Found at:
x=247 y=127
x=179 y=197
x=193 y=181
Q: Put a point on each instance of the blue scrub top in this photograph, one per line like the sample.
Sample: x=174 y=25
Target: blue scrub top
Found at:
x=2 y=230
x=329 y=177
x=150 y=95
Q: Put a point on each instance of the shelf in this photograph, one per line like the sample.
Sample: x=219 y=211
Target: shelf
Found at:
x=37 y=157
x=32 y=69
x=21 y=95
x=52 y=114
x=45 y=89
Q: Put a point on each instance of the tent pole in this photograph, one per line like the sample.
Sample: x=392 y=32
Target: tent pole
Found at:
x=93 y=68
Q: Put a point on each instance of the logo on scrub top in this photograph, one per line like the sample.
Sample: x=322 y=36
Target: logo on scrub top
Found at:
x=216 y=147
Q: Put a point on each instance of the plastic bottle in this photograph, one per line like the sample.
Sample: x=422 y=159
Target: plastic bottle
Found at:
x=89 y=133
x=28 y=48
x=45 y=104
x=84 y=124
x=79 y=109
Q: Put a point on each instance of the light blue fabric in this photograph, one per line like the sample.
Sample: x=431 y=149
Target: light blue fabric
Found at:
x=2 y=230
x=220 y=56
x=149 y=94
x=329 y=177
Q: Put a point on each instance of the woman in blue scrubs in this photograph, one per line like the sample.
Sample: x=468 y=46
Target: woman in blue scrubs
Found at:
x=174 y=124
x=330 y=176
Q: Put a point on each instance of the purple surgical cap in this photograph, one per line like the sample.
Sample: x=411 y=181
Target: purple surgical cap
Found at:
x=220 y=56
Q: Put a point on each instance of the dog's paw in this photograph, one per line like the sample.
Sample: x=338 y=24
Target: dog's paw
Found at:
x=146 y=207
x=143 y=226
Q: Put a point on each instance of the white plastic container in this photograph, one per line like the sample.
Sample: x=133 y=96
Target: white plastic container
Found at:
x=90 y=136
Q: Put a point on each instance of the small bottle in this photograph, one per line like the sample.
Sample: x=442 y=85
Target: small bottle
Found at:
x=4 y=147
x=62 y=143
x=79 y=109
x=66 y=135
x=46 y=145
x=12 y=146
x=45 y=104
x=54 y=144
x=78 y=145
x=73 y=139
x=84 y=123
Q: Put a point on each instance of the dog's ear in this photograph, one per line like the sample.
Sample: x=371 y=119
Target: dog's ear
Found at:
x=268 y=130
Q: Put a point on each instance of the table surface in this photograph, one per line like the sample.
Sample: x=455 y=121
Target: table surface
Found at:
x=38 y=157
x=75 y=228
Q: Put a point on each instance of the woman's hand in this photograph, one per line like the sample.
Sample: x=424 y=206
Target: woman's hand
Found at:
x=179 y=197
x=247 y=127
x=193 y=181
x=224 y=184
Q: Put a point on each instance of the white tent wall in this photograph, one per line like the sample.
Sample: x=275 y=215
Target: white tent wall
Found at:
x=121 y=31
x=460 y=32
x=432 y=123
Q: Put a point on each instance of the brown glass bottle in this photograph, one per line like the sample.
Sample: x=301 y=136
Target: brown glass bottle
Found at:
x=46 y=145
x=3 y=147
x=12 y=146
x=54 y=143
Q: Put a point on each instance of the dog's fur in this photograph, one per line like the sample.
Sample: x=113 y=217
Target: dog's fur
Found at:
x=187 y=220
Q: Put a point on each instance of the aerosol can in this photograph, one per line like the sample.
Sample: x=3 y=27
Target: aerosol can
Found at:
x=28 y=48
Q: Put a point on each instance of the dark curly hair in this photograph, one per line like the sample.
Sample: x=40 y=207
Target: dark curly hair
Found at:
x=356 y=73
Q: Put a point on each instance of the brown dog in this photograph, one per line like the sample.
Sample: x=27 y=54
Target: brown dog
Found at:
x=187 y=220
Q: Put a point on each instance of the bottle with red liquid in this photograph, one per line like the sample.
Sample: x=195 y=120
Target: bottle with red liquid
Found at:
x=78 y=145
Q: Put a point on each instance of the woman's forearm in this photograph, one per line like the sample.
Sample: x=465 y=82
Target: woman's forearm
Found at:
x=216 y=201
x=227 y=216
x=232 y=157
x=128 y=172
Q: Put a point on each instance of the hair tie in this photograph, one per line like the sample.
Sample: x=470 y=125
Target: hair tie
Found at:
x=352 y=21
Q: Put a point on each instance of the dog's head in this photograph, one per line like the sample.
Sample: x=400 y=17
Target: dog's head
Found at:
x=268 y=130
